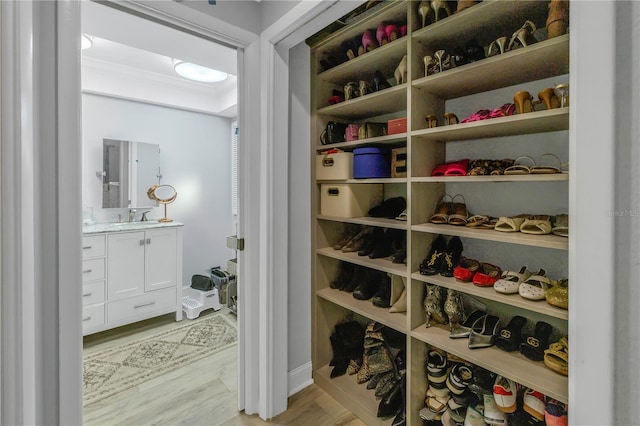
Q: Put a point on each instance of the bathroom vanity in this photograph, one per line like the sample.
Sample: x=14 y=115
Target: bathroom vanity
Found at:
x=130 y=272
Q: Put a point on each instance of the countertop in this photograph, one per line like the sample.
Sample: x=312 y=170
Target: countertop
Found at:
x=127 y=226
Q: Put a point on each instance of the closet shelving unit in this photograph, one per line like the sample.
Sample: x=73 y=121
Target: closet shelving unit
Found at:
x=426 y=148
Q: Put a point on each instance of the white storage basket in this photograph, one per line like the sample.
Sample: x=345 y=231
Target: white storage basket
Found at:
x=334 y=166
x=344 y=200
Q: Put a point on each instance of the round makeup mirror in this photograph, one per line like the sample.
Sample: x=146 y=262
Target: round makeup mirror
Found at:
x=163 y=194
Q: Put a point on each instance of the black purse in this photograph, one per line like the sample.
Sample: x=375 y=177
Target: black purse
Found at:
x=333 y=133
x=202 y=283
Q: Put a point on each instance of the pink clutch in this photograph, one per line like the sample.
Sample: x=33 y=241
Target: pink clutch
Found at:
x=351 y=133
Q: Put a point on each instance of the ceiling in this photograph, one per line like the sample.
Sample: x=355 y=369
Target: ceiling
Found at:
x=132 y=58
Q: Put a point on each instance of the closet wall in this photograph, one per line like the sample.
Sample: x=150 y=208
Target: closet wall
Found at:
x=488 y=84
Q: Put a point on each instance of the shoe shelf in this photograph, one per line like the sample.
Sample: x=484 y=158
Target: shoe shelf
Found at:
x=484 y=22
x=397 y=139
x=520 y=124
x=384 y=264
x=540 y=306
x=385 y=101
x=353 y=396
x=545 y=59
x=513 y=365
x=365 y=181
x=558 y=177
x=548 y=241
x=384 y=59
x=396 y=320
x=380 y=222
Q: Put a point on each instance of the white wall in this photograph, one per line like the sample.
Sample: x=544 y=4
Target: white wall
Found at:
x=195 y=153
x=299 y=209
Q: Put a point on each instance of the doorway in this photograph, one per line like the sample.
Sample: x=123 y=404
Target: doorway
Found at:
x=130 y=91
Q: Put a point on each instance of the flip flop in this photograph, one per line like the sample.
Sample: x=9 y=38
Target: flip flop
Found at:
x=541 y=168
x=519 y=168
x=477 y=220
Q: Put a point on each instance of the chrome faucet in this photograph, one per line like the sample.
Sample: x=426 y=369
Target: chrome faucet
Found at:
x=144 y=216
x=132 y=215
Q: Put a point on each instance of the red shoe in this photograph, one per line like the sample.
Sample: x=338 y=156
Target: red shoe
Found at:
x=381 y=34
x=335 y=99
x=392 y=32
x=466 y=269
x=487 y=275
x=403 y=30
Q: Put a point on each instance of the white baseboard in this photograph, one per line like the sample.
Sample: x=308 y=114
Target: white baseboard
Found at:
x=300 y=378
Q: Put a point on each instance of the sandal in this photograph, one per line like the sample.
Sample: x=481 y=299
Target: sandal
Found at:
x=534 y=346
x=558 y=295
x=491 y=224
x=477 y=220
x=519 y=168
x=441 y=215
x=463 y=330
x=560 y=225
x=459 y=212
x=487 y=275
x=537 y=225
x=510 y=281
x=534 y=287
x=547 y=169
x=510 y=224
x=466 y=269
x=557 y=356
x=483 y=332
x=510 y=337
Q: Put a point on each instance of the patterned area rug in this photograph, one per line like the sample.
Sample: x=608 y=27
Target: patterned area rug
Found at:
x=108 y=372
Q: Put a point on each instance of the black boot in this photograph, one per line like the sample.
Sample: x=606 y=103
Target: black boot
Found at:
x=345 y=272
x=340 y=360
x=382 y=247
x=356 y=278
x=370 y=242
x=382 y=298
x=369 y=285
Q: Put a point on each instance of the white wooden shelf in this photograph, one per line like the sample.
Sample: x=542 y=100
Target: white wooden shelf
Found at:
x=540 y=306
x=380 y=140
x=482 y=22
x=385 y=101
x=545 y=59
x=380 y=222
x=559 y=177
x=397 y=320
x=519 y=124
x=384 y=264
x=384 y=59
x=365 y=181
x=353 y=396
x=548 y=241
x=512 y=365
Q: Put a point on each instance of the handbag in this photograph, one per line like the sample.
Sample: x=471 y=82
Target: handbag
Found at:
x=333 y=133
x=372 y=130
x=202 y=283
x=351 y=133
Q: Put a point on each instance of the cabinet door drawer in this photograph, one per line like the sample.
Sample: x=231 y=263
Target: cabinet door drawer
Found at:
x=93 y=246
x=92 y=270
x=92 y=316
x=93 y=293
x=140 y=306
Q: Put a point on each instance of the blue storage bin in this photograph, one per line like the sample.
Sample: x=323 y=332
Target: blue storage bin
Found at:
x=371 y=163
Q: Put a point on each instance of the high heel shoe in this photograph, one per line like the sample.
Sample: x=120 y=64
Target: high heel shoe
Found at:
x=462 y=330
x=369 y=41
x=464 y=4
x=432 y=121
x=440 y=5
x=364 y=88
x=483 y=332
x=429 y=63
x=444 y=62
x=350 y=48
x=523 y=101
x=523 y=36
x=392 y=32
x=499 y=45
x=454 y=307
x=425 y=12
x=450 y=118
x=351 y=90
x=381 y=34
x=379 y=82
x=434 y=305
x=549 y=98
x=401 y=71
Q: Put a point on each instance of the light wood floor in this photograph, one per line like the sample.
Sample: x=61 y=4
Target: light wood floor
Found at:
x=203 y=393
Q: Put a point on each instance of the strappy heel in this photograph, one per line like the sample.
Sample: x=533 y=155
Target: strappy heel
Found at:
x=429 y=63
x=523 y=36
x=499 y=45
x=483 y=332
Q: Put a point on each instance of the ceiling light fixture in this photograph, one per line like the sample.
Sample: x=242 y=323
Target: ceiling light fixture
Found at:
x=198 y=72
x=87 y=41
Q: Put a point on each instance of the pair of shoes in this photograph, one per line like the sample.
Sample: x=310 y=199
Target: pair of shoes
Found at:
x=486 y=275
x=471 y=52
x=453 y=168
x=371 y=284
x=488 y=167
x=544 y=166
x=483 y=332
x=450 y=212
x=349 y=231
x=443 y=257
x=527 y=224
x=389 y=208
x=449 y=119
x=485 y=114
x=480 y=221
x=439 y=62
x=432 y=10
x=463 y=330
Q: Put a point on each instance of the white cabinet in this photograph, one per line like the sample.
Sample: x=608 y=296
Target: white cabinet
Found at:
x=131 y=275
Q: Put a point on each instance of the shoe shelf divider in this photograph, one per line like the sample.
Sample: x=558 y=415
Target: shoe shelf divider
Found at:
x=548 y=241
x=513 y=365
x=380 y=222
x=540 y=306
x=427 y=148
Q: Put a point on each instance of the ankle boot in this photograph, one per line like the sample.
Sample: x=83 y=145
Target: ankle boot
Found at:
x=382 y=298
x=345 y=272
x=356 y=278
x=371 y=241
x=357 y=242
x=368 y=286
x=350 y=231
x=382 y=247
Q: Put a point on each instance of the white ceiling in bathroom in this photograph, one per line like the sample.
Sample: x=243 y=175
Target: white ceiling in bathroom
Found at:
x=132 y=58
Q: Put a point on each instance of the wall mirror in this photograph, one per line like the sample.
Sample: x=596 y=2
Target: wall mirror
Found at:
x=129 y=169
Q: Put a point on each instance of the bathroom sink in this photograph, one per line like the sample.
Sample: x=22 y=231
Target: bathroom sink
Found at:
x=126 y=225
